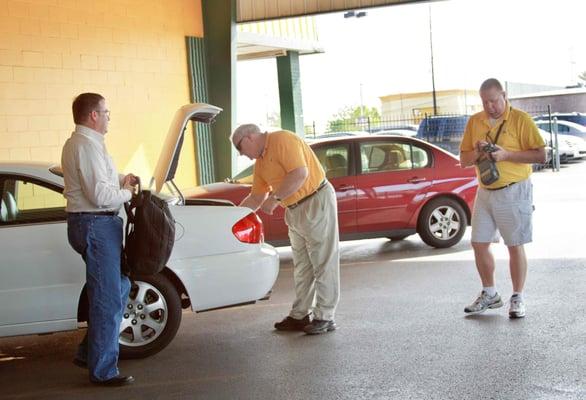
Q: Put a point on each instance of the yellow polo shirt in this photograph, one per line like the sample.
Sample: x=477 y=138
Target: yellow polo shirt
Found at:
x=284 y=151
x=519 y=133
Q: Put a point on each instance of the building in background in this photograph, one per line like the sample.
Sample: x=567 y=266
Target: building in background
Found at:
x=561 y=101
x=414 y=106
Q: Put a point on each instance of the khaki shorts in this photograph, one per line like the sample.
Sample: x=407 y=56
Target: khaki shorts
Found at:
x=506 y=211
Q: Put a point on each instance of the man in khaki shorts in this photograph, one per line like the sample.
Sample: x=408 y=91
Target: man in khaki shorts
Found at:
x=287 y=173
x=504 y=206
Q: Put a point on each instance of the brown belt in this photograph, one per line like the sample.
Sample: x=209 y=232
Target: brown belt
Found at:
x=502 y=187
x=321 y=185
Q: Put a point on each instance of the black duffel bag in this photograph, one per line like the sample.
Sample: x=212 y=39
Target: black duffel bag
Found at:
x=149 y=236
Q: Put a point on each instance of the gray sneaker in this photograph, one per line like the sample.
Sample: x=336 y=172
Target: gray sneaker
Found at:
x=516 y=307
x=484 y=302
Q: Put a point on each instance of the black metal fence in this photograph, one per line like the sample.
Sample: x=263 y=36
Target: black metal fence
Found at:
x=375 y=125
x=443 y=130
x=365 y=124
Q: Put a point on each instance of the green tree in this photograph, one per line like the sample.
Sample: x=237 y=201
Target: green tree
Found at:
x=351 y=118
x=582 y=76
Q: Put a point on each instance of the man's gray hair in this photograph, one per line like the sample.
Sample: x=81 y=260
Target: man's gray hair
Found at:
x=491 y=83
x=244 y=130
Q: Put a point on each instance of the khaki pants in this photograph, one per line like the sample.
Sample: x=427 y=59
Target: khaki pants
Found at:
x=313 y=231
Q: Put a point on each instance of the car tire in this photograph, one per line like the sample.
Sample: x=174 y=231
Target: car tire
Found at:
x=442 y=222
x=143 y=334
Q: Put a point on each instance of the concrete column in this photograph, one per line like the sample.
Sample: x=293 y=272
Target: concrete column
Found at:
x=290 y=93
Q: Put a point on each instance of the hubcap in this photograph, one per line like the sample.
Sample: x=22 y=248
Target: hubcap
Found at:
x=145 y=315
x=444 y=223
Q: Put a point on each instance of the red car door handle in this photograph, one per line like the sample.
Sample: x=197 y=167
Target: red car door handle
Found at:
x=343 y=188
x=416 y=180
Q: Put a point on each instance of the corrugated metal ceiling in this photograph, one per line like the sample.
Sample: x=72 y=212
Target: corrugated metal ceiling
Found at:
x=260 y=10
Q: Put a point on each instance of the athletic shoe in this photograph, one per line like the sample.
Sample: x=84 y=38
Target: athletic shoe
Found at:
x=516 y=307
x=483 y=303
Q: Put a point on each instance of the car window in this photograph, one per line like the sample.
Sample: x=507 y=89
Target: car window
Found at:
x=544 y=126
x=334 y=160
x=563 y=128
x=384 y=156
x=24 y=202
x=388 y=156
x=419 y=157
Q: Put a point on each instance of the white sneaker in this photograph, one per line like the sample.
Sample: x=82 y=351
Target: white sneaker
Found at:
x=483 y=303
x=516 y=307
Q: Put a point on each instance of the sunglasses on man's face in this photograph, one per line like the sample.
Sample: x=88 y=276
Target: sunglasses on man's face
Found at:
x=237 y=145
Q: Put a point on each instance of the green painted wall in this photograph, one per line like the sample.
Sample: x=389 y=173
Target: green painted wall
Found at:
x=219 y=18
x=199 y=94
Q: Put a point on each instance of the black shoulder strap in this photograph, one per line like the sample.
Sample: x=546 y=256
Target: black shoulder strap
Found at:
x=496 y=139
x=498 y=133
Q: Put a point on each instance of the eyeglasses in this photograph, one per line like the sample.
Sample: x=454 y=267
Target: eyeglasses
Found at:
x=107 y=112
x=237 y=145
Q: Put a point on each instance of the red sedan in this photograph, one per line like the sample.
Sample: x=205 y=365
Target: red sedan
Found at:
x=386 y=186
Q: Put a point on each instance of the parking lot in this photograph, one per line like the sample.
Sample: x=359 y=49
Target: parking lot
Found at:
x=403 y=333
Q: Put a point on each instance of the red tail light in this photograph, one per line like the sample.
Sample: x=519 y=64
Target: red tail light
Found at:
x=249 y=229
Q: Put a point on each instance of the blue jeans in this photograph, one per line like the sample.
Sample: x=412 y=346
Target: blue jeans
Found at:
x=98 y=238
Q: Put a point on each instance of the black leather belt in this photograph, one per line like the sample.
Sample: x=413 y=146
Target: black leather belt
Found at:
x=502 y=187
x=294 y=205
x=110 y=213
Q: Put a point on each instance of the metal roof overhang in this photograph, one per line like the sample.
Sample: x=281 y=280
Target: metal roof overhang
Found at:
x=253 y=46
x=262 y=10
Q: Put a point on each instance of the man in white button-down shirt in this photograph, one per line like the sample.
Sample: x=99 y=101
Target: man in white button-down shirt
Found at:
x=95 y=192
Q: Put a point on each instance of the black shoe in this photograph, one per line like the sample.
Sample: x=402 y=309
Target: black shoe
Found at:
x=318 y=326
x=79 y=362
x=292 y=324
x=119 y=380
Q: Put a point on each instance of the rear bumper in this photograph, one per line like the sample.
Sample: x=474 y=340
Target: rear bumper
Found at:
x=227 y=279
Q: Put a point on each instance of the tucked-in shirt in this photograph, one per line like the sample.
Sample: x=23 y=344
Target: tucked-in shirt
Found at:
x=518 y=133
x=284 y=152
x=91 y=180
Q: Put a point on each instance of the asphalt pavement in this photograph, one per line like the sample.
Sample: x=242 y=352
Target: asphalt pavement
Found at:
x=402 y=331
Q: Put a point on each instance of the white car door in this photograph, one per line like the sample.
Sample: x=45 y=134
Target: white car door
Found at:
x=41 y=277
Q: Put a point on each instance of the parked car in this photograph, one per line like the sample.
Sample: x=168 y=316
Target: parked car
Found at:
x=393 y=126
x=575 y=117
x=336 y=134
x=569 y=147
x=443 y=131
x=398 y=131
x=578 y=143
x=386 y=186
x=563 y=127
x=219 y=258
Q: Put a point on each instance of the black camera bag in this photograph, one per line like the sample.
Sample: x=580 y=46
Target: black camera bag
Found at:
x=488 y=171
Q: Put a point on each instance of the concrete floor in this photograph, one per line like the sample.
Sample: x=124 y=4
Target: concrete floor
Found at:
x=403 y=334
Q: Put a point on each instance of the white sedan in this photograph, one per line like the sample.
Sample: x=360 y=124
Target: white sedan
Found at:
x=219 y=258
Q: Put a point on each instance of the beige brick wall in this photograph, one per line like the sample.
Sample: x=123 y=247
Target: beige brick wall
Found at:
x=130 y=51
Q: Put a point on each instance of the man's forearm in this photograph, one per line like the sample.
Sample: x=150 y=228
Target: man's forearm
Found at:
x=468 y=158
x=291 y=183
x=526 y=156
x=253 y=201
